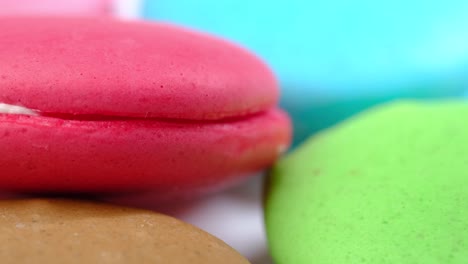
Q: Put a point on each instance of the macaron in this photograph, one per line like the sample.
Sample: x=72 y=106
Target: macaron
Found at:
x=335 y=58
x=102 y=105
x=56 y=7
x=67 y=231
x=388 y=186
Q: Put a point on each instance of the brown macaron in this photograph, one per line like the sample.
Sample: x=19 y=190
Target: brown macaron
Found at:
x=65 y=231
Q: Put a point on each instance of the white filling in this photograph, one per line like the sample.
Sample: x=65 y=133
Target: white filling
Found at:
x=282 y=149
x=16 y=110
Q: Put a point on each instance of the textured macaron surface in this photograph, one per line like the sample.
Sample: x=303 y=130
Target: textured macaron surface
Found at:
x=52 y=154
x=92 y=66
x=62 y=231
x=388 y=186
x=102 y=105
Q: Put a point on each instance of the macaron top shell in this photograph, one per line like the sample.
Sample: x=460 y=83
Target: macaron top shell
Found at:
x=387 y=186
x=105 y=67
x=50 y=7
x=63 y=231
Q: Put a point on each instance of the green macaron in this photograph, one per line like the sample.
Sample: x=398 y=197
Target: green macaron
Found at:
x=387 y=186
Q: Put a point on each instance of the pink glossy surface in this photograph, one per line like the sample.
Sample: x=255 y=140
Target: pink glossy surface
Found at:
x=55 y=7
x=51 y=154
x=115 y=68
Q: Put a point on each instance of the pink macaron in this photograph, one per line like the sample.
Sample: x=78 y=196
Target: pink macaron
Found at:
x=101 y=105
x=56 y=7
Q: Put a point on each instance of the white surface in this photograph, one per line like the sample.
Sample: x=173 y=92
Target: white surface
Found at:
x=128 y=9
x=236 y=217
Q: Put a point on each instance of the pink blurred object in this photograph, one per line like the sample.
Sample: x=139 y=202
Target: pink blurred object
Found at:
x=56 y=7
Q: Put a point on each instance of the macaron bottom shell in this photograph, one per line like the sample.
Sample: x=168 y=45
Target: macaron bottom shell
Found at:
x=47 y=154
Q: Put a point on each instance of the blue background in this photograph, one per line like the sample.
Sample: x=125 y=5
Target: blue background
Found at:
x=336 y=57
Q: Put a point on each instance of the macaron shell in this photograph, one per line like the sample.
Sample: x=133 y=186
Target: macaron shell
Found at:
x=51 y=154
x=56 y=7
x=92 y=66
x=388 y=186
x=62 y=231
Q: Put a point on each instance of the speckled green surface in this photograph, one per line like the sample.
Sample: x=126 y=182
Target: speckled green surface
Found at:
x=388 y=186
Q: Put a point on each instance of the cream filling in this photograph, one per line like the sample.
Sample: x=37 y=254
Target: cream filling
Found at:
x=16 y=110
x=282 y=149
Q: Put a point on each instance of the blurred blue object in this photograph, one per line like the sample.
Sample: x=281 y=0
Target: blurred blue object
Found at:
x=335 y=58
